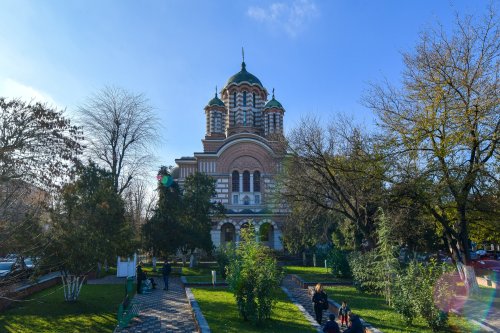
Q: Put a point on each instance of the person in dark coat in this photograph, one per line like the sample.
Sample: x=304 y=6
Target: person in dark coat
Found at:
x=140 y=277
x=356 y=326
x=331 y=325
x=165 y=271
x=320 y=302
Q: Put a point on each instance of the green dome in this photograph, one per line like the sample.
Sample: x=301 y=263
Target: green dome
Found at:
x=244 y=76
x=273 y=104
x=216 y=102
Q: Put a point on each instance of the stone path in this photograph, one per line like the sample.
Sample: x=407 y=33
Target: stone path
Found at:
x=302 y=297
x=163 y=311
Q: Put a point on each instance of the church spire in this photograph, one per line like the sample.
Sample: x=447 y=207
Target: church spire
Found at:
x=243 y=65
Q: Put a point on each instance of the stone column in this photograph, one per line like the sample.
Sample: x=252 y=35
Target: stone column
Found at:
x=251 y=182
x=241 y=182
x=277 y=241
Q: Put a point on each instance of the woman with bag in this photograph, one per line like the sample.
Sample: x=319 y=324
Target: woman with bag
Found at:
x=320 y=302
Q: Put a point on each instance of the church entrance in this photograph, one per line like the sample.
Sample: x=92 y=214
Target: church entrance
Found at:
x=266 y=234
x=227 y=233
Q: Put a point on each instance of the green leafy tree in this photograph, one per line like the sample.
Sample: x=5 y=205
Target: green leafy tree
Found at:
x=442 y=125
x=162 y=232
x=337 y=261
x=253 y=277
x=417 y=290
x=198 y=210
x=38 y=150
x=37 y=144
x=223 y=255
x=88 y=224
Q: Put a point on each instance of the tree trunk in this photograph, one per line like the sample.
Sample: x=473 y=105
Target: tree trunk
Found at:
x=72 y=285
x=304 y=259
x=314 y=259
x=192 y=261
x=468 y=275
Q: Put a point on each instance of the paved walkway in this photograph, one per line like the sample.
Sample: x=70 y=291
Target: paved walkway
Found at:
x=302 y=297
x=163 y=311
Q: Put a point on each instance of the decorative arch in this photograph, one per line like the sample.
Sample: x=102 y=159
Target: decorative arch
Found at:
x=227 y=233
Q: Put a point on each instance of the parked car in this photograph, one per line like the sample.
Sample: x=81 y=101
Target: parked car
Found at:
x=5 y=268
x=30 y=263
x=492 y=265
x=13 y=271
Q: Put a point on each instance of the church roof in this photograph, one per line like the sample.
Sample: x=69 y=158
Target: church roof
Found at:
x=216 y=101
x=273 y=103
x=244 y=76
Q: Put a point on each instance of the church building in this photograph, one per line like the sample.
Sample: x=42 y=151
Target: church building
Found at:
x=243 y=151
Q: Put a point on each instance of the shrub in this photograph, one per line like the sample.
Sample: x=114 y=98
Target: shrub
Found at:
x=337 y=261
x=364 y=271
x=222 y=256
x=416 y=291
x=253 y=276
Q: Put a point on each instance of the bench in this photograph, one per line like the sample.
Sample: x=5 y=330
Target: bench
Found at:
x=126 y=311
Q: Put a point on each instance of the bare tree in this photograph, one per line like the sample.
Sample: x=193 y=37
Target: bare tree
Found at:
x=445 y=120
x=334 y=169
x=121 y=130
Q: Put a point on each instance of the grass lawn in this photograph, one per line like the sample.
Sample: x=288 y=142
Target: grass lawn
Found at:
x=95 y=311
x=219 y=308
x=374 y=310
x=313 y=274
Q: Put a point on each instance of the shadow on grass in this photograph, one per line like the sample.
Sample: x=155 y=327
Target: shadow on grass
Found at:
x=47 y=311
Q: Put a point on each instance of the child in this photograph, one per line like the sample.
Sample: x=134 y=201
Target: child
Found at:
x=343 y=313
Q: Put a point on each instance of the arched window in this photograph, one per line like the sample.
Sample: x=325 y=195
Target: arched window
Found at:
x=244 y=98
x=244 y=117
x=246 y=181
x=234 y=118
x=274 y=120
x=253 y=99
x=236 y=181
x=234 y=99
x=256 y=181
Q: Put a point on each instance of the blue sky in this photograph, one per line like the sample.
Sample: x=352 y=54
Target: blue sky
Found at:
x=318 y=55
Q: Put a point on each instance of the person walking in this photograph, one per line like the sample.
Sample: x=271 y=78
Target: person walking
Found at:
x=140 y=277
x=343 y=313
x=165 y=271
x=320 y=302
x=331 y=325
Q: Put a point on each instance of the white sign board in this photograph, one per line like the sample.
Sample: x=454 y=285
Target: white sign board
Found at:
x=126 y=268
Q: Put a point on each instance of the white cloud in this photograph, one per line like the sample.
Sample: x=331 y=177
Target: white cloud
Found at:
x=10 y=88
x=291 y=18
